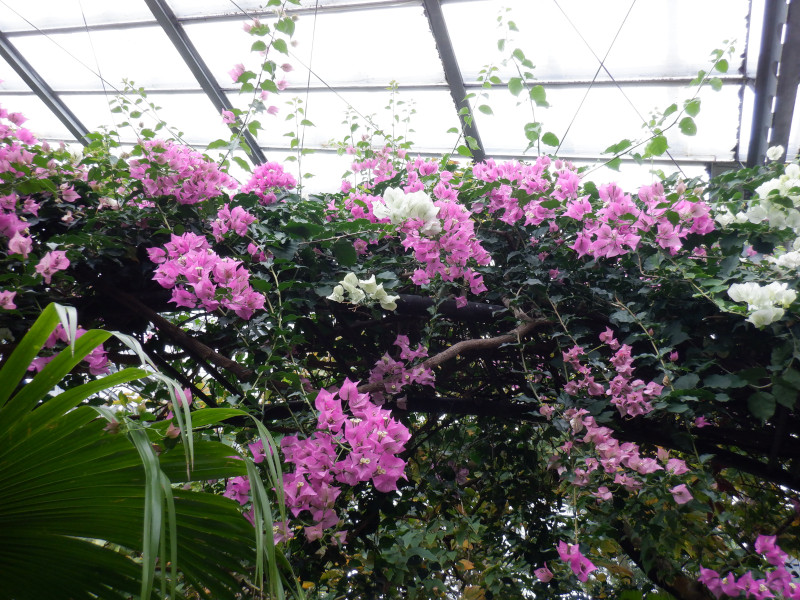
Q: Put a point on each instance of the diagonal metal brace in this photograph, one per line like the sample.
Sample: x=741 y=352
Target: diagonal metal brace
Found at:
x=40 y=87
x=177 y=35
x=452 y=73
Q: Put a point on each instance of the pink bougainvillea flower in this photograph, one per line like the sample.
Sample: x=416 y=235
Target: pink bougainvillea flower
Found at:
x=543 y=574
x=7 y=300
x=681 y=493
x=236 y=72
x=51 y=263
x=580 y=565
x=228 y=117
x=20 y=244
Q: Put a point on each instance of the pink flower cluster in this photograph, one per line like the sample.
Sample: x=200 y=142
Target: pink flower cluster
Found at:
x=344 y=449
x=631 y=396
x=234 y=219
x=96 y=359
x=51 y=263
x=266 y=180
x=169 y=169
x=197 y=274
x=395 y=374
x=381 y=165
x=622 y=460
x=615 y=229
x=777 y=581
x=571 y=554
x=448 y=253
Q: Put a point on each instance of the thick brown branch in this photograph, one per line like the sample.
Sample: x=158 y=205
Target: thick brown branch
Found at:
x=479 y=344
x=179 y=336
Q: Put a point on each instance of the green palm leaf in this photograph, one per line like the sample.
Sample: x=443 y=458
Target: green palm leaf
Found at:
x=80 y=505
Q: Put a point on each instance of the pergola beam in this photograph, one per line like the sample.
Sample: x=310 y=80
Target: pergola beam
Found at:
x=788 y=80
x=766 y=86
x=452 y=74
x=39 y=86
x=177 y=35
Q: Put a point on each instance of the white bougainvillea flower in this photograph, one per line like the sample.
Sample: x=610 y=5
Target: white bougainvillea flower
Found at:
x=354 y=290
x=399 y=207
x=775 y=153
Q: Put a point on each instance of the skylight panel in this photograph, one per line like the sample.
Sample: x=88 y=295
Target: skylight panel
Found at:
x=24 y=15
x=362 y=58
x=76 y=60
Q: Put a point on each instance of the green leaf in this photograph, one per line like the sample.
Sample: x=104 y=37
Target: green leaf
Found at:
x=724 y=381
x=258 y=46
x=515 y=86
x=686 y=382
x=539 y=96
x=550 y=139
x=614 y=163
x=716 y=83
x=657 y=146
x=688 y=126
x=242 y=163
x=620 y=146
x=485 y=109
x=761 y=405
x=345 y=253
x=464 y=151
x=533 y=131
x=280 y=46
x=692 y=107
x=722 y=66
x=285 y=25
x=672 y=108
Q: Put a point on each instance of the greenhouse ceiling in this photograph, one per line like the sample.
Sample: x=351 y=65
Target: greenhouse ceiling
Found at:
x=607 y=68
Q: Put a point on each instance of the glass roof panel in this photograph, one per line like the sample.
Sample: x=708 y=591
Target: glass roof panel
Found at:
x=195 y=8
x=24 y=15
x=9 y=80
x=427 y=126
x=192 y=114
x=41 y=120
x=312 y=41
x=678 y=45
x=606 y=118
x=70 y=61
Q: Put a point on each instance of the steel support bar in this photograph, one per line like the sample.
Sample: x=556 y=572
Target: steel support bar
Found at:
x=177 y=35
x=452 y=74
x=41 y=89
x=766 y=87
x=788 y=80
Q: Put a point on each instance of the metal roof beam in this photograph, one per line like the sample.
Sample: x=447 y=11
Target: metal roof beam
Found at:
x=177 y=35
x=788 y=80
x=39 y=86
x=452 y=73
x=766 y=86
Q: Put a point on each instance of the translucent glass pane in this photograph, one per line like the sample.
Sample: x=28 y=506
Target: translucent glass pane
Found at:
x=606 y=118
x=9 y=80
x=335 y=58
x=427 y=127
x=76 y=60
x=41 y=121
x=631 y=176
x=660 y=37
x=193 y=114
x=190 y=8
x=793 y=147
x=24 y=15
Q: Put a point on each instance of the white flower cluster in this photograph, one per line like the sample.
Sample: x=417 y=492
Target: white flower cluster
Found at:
x=359 y=290
x=764 y=209
x=401 y=207
x=765 y=304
